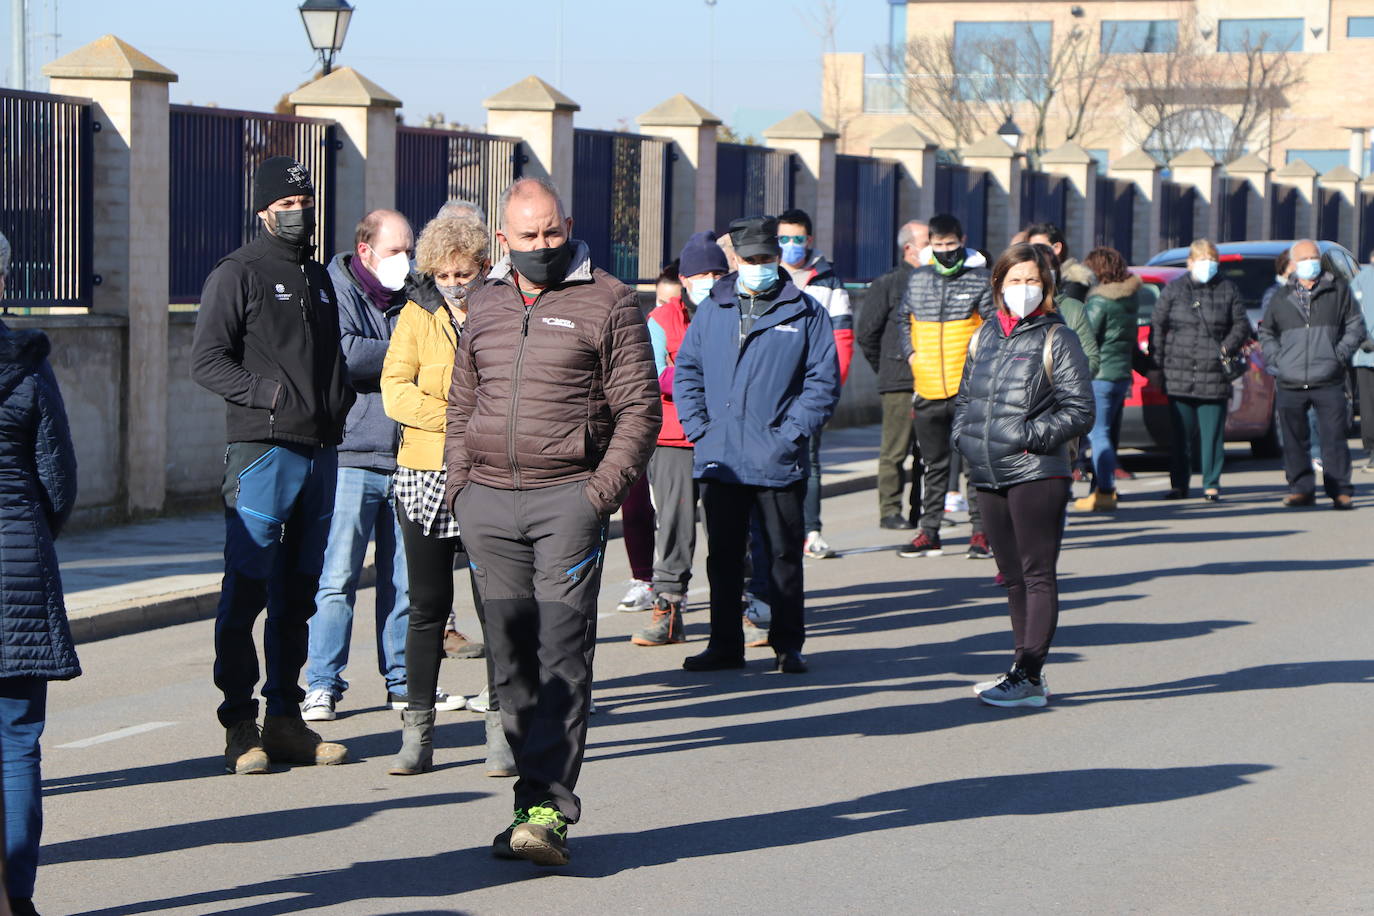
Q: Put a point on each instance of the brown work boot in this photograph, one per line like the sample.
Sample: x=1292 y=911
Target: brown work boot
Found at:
x=287 y=740
x=456 y=645
x=1097 y=501
x=243 y=753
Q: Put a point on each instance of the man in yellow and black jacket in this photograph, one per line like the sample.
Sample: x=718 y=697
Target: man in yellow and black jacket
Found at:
x=944 y=305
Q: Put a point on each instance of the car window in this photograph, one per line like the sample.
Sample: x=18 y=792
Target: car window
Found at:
x=1334 y=262
x=1252 y=277
x=1145 y=301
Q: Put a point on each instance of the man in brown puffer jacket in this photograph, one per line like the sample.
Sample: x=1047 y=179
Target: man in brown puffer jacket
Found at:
x=553 y=413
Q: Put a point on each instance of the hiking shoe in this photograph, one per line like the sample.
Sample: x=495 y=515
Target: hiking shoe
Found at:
x=543 y=837
x=1097 y=501
x=978 y=548
x=286 y=739
x=1292 y=500
x=665 y=627
x=757 y=610
x=754 y=637
x=500 y=844
x=924 y=544
x=443 y=702
x=640 y=597
x=895 y=523
x=815 y=546
x=988 y=685
x=956 y=502
x=456 y=645
x=243 y=753
x=481 y=702
x=1015 y=689
x=319 y=705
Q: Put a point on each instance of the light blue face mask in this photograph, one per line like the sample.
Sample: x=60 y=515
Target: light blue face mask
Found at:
x=697 y=290
x=757 y=277
x=793 y=253
x=1309 y=269
x=1204 y=269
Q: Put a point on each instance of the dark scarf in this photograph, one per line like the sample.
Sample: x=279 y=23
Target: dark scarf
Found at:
x=381 y=298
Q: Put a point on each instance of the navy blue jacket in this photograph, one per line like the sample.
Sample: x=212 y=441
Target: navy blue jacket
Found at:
x=749 y=407
x=37 y=492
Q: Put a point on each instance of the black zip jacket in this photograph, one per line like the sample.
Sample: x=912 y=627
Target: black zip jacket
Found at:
x=267 y=341
x=879 y=329
x=1311 y=350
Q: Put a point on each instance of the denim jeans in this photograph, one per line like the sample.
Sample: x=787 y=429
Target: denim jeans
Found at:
x=811 y=508
x=1109 y=398
x=362 y=506
x=23 y=712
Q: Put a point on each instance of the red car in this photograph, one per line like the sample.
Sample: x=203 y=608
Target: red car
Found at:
x=1145 y=418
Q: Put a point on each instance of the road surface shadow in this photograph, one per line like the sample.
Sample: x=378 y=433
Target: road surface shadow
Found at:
x=1260 y=677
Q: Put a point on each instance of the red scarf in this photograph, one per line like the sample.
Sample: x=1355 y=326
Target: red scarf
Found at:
x=1010 y=321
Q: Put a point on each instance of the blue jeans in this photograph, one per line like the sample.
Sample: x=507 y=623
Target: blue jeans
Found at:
x=1109 y=398
x=811 y=509
x=362 y=505
x=23 y=712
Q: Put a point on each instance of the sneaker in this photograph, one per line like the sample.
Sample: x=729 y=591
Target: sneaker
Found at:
x=319 y=705
x=816 y=548
x=988 y=685
x=978 y=548
x=481 y=702
x=1317 y=466
x=543 y=837
x=665 y=627
x=1014 y=689
x=923 y=544
x=898 y=523
x=286 y=739
x=456 y=645
x=757 y=610
x=443 y=702
x=243 y=753
x=640 y=597
x=1368 y=466
x=754 y=637
x=1121 y=473
x=956 y=502
x=500 y=844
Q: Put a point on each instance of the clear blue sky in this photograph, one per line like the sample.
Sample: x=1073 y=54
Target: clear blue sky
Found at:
x=620 y=57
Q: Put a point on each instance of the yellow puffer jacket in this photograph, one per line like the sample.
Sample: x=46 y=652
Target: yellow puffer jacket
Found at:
x=415 y=382
x=943 y=312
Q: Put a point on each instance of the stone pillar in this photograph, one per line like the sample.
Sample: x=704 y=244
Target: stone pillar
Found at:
x=814 y=143
x=916 y=155
x=365 y=169
x=1142 y=170
x=1080 y=204
x=1303 y=179
x=1359 y=145
x=131 y=237
x=543 y=117
x=1197 y=169
x=1255 y=172
x=693 y=132
x=1345 y=183
x=1003 y=165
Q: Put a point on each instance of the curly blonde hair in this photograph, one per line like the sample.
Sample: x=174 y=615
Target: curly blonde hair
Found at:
x=447 y=240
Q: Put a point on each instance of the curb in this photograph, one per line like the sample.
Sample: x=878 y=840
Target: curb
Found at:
x=137 y=616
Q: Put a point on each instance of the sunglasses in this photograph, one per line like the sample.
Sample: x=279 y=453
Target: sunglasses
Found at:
x=794 y=239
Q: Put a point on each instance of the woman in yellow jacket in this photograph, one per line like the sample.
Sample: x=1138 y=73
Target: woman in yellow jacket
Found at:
x=452 y=252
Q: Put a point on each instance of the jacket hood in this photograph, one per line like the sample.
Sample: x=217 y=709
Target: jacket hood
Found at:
x=424 y=292
x=1118 y=290
x=1072 y=271
x=579 y=268
x=21 y=352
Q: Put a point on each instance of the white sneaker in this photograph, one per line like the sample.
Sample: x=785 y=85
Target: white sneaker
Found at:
x=443 y=702
x=984 y=686
x=318 y=705
x=757 y=610
x=955 y=502
x=815 y=546
x=1317 y=466
x=481 y=702
x=640 y=597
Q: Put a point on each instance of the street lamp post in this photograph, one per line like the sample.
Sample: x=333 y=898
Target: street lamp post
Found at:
x=1010 y=133
x=326 y=24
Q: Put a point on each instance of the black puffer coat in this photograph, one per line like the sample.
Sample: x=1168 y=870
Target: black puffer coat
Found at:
x=1190 y=320
x=37 y=492
x=1012 y=425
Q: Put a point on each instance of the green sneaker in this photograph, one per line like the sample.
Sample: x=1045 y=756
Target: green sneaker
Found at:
x=500 y=846
x=543 y=837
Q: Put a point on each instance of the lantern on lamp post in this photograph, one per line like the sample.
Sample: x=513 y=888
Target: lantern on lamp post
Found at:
x=326 y=24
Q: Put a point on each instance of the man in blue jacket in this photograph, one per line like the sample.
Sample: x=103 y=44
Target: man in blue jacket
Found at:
x=756 y=377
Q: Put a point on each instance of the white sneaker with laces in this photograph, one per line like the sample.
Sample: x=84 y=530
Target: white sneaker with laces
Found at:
x=815 y=546
x=443 y=702
x=481 y=702
x=640 y=597
x=318 y=705
x=757 y=610
x=983 y=686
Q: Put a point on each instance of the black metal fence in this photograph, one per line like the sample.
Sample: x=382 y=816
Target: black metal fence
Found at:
x=753 y=181
x=1283 y=212
x=962 y=192
x=622 y=192
x=436 y=166
x=1176 y=214
x=1329 y=203
x=865 y=217
x=1235 y=210
x=214 y=153
x=1366 y=243
x=45 y=198
x=1044 y=198
x=1115 y=215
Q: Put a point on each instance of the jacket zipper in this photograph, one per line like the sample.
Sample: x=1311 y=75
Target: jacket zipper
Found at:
x=515 y=389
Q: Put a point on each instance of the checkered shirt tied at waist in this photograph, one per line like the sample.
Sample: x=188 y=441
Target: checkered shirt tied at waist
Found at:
x=421 y=495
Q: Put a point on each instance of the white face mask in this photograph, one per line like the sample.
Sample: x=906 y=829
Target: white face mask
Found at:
x=697 y=290
x=1203 y=270
x=391 y=272
x=1022 y=298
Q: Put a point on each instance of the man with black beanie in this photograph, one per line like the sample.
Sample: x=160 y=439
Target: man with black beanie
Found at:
x=267 y=341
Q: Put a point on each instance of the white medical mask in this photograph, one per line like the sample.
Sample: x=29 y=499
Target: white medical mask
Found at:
x=697 y=290
x=757 y=277
x=1204 y=270
x=1022 y=298
x=1309 y=269
x=392 y=271
x=926 y=255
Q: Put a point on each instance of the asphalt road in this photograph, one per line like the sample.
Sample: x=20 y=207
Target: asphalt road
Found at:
x=1207 y=750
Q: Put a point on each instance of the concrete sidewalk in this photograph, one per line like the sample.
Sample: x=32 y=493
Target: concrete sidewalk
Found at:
x=165 y=571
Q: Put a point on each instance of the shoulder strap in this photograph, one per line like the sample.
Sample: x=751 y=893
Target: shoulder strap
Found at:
x=1047 y=357
x=973 y=343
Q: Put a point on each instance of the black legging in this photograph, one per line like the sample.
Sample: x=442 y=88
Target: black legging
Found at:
x=1025 y=526
x=429 y=562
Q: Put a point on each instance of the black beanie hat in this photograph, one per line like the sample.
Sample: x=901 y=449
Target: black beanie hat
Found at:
x=278 y=177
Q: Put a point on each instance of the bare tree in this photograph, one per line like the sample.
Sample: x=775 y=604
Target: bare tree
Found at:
x=824 y=23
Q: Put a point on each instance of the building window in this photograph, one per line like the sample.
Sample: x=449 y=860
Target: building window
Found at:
x=1240 y=35
x=1359 y=27
x=896 y=28
x=884 y=93
x=1324 y=160
x=1139 y=36
x=1004 y=60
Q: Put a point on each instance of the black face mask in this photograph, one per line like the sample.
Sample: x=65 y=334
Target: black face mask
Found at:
x=296 y=227
x=543 y=266
x=949 y=259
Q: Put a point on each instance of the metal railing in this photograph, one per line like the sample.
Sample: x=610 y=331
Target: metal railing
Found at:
x=753 y=181
x=1283 y=212
x=1115 y=215
x=214 y=154
x=46 y=199
x=436 y=166
x=622 y=195
x=1329 y=205
x=1044 y=198
x=962 y=192
x=865 y=217
x=1176 y=214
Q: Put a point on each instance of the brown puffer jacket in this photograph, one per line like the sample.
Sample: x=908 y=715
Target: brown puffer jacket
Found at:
x=560 y=391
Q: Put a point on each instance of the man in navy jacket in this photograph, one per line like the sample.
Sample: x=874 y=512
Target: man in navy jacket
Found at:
x=756 y=377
